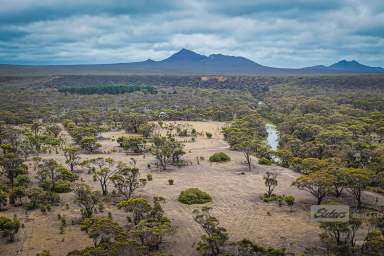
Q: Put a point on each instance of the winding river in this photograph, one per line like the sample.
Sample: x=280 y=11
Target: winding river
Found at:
x=273 y=136
x=273 y=139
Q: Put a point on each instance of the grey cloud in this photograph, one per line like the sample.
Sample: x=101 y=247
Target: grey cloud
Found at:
x=278 y=8
x=274 y=32
x=24 y=11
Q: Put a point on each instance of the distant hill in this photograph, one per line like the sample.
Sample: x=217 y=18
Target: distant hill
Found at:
x=184 y=55
x=186 y=62
x=345 y=66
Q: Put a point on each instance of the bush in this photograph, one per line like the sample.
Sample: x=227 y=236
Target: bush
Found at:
x=290 y=201
x=45 y=184
x=194 y=196
x=170 y=182
x=143 y=182
x=376 y=189
x=268 y=199
x=44 y=208
x=280 y=200
x=52 y=197
x=68 y=175
x=63 y=186
x=3 y=199
x=44 y=253
x=246 y=247
x=265 y=161
x=219 y=157
x=149 y=177
x=183 y=133
x=209 y=135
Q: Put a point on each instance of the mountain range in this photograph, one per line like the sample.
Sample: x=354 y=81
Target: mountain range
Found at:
x=189 y=62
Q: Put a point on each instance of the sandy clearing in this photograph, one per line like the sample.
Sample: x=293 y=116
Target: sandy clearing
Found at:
x=235 y=203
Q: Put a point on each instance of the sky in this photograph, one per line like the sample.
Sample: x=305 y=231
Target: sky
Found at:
x=278 y=33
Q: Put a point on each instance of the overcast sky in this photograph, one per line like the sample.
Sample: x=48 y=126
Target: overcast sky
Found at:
x=280 y=33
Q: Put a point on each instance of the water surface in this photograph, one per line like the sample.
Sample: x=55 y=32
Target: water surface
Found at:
x=273 y=136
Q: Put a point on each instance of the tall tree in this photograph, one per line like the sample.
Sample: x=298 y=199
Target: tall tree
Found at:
x=87 y=199
x=213 y=240
x=103 y=175
x=50 y=170
x=357 y=181
x=138 y=207
x=319 y=184
x=72 y=158
x=133 y=121
x=11 y=166
x=164 y=149
x=126 y=180
x=270 y=181
x=247 y=146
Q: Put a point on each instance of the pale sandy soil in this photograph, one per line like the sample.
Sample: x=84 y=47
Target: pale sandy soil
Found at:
x=236 y=202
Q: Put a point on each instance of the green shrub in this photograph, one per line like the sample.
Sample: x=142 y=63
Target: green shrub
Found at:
x=268 y=199
x=280 y=200
x=194 y=196
x=246 y=247
x=62 y=186
x=209 y=135
x=52 y=197
x=44 y=253
x=265 y=161
x=183 y=133
x=3 y=198
x=170 y=182
x=45 y=184
x=66 y=174
x=219 y=157
x=149 y=177
x=290 y=201
x=376 y=189
x=44 y=208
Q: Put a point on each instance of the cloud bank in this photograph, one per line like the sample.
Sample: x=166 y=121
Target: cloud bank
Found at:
x=277 y=33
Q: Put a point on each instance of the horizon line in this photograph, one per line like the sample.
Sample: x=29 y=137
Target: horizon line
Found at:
x=185 y=49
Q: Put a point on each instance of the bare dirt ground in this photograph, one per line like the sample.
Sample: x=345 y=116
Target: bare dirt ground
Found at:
x=236 y=202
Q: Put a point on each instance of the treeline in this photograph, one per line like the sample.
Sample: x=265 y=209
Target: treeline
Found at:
x=180 y=103
x=254 y=84
x=23 y=101
x=108 y=89
x=325 y=130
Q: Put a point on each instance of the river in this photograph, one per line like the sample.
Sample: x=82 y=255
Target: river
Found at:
x=273 y=136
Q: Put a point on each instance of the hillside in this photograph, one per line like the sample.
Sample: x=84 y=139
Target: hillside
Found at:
x=186 y=62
